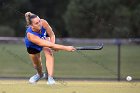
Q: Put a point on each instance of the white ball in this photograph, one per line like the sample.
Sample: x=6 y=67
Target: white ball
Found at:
x=128 y=78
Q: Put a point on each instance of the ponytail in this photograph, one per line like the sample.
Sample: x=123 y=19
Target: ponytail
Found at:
x=28 y=17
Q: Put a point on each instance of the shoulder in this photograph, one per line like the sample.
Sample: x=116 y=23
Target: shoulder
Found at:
x=44 y=23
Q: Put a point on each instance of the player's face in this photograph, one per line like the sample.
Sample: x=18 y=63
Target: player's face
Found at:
x=36 y=23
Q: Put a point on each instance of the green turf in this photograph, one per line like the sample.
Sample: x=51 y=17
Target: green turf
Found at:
x=22 y=86
x=14 y=62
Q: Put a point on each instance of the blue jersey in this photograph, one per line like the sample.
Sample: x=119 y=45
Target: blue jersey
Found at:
x=42 y=35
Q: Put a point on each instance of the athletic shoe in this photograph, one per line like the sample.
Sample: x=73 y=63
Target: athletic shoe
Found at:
x=36 y=77
x=51 y=81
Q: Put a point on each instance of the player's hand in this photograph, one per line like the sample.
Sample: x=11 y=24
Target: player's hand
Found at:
x=70 y=48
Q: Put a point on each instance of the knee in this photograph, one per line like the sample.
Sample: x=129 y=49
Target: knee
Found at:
x=48 y=52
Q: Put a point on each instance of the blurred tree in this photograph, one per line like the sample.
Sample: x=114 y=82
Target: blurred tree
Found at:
x=88 y=18
x=101 y=18
x=76 y=18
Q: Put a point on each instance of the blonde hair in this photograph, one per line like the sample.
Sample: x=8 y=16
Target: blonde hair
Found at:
x=28 y=17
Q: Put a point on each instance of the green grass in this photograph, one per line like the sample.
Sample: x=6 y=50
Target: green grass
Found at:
x=14 y=62
x=22 y=86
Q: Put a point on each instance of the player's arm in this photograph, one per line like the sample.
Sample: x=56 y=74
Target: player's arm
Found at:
x=49 y=30
x=44 y=43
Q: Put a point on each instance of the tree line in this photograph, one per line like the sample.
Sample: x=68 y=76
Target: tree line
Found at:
x=74 y=18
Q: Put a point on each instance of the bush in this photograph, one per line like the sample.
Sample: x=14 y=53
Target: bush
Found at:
x=6 y=31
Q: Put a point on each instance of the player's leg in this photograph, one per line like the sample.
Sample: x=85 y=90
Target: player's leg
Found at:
x=49 y=64
x=36 y=60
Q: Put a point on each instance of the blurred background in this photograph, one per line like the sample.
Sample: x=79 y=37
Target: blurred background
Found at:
x=116 y=23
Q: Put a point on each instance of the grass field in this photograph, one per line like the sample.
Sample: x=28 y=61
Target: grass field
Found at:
x=14 y=62
x=22 y=86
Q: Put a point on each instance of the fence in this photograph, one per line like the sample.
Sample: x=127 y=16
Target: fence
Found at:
x=118 y=59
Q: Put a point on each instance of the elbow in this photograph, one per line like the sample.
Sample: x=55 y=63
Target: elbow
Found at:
x=52 y=35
